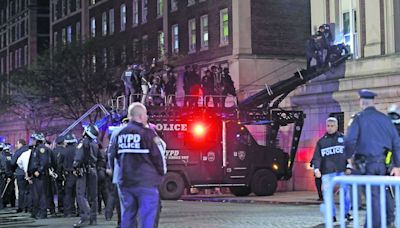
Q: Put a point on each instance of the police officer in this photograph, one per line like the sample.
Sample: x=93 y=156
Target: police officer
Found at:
x=329 y=160
x=141 y=167
x=23 y=186
x=101 y=178
x=370 y=134
x=3 y=170
x=38 y=172
x=9 y=196
x=57 y=154
x=86 y=158
x=394 y=114
x=113 y=197
x=66 y=161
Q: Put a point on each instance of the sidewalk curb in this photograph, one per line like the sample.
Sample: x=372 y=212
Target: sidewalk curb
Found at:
x=238 y=200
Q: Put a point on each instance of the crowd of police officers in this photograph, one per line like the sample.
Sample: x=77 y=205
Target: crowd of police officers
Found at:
x=72 y=170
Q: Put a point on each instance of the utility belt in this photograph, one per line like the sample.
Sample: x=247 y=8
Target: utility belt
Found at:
x=66 y=173
x=361 y=161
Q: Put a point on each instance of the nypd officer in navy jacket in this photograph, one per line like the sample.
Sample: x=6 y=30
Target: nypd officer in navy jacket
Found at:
x=142 y=166
x=369 y=135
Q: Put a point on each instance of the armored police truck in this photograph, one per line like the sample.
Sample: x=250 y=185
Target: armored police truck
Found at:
x=214 y=147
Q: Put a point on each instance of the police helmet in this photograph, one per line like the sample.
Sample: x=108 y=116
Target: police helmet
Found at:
x=38 y=136
x=70 y=138
x=92 y=131
x=394 y=113
x=7 y=146
x=59 y=139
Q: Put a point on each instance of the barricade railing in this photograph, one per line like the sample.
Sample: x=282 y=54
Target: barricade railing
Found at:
x=354 y=182
x=120 y=103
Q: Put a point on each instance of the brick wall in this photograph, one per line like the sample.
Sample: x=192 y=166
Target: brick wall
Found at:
x=280 y=27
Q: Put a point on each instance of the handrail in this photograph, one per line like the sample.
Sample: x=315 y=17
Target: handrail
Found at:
x=86 y=114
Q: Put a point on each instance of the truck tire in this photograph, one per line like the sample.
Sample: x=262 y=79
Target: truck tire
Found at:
x=264 y=182
x=240 y=191
x=172 y=187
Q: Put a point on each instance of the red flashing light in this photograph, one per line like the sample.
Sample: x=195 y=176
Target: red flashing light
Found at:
x=199 y=129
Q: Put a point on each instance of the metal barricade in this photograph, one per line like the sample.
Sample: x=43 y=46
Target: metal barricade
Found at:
x=120 y=103
x=354 y=182
x=228 y=101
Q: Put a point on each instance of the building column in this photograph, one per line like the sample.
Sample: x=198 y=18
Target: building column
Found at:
x=396 y=18
x=373 y=39
x=318 y=15
x=389 y=27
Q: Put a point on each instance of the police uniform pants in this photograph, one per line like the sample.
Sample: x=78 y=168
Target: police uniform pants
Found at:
x=60 y=195
x=139 y=205
x=69 y=197
x=102 y=193
x=375 y=168
x=39 y=196
x=23 y=192
x=2 y=186
x=50 y=196
x=87 y=184
x=113 y=202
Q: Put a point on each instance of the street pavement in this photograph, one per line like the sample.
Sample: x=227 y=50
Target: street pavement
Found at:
x=198 y=214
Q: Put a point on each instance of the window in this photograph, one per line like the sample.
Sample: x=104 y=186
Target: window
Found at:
x=26 y=27
x=160 y=8
x=11 y=61
x=93 y=27
x=26 y=54
x=175 y=39
x=111 y=21
x=144 y=11
x=135 y=12
x=348 y=32
x=161 y=50
x=55 y=11
x=1 y=66
x=123 y=17
x=23 y=28
x=123 y=54
x=104 y=23
x=68 y=6
x=174 y=5
x=78 y=31
x=145 y=48
x=63 y=36
x=192 y=35
x=69 y=34
x=112 y=57
x=93 y=63
x=19 y=57
x=55 y=35
x=340 y=117
x=191 y=2
x=224 y=26
x=204 y=31
x=105 y=59
x=92 y=2
x=78 y=4
x=16 y=58
x=63 y=8
x=136 y=50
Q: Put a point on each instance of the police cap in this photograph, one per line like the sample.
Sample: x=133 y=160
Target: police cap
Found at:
x=367 y=94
